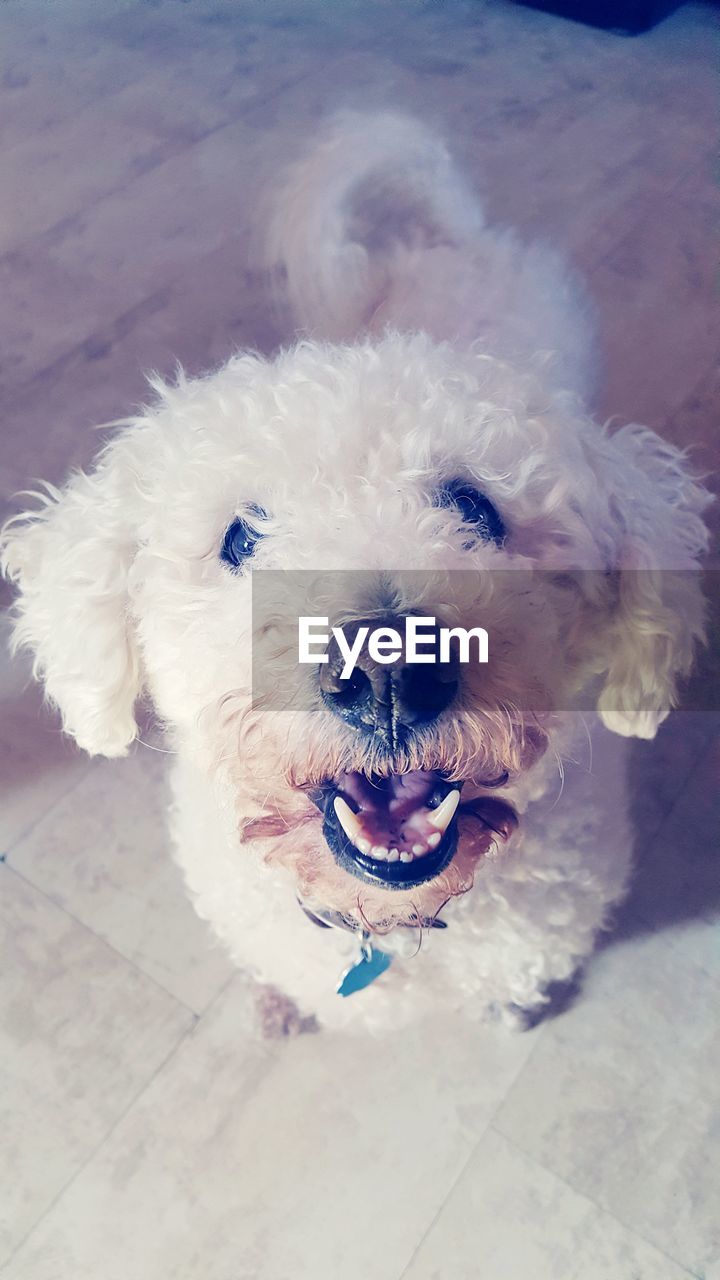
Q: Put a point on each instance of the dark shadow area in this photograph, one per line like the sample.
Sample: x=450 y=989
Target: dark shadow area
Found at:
x=36 y=744
x=675 y=808
x=561 y=997
x=627 y=17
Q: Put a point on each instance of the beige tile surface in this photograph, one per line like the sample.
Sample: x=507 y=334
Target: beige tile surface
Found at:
x=41 y=173
x=38 y=764
x=103 y=853
x=135 y=136
x=507 y=1217
x=52 y=70
x=623 y=1097
x=81 y=1033
x=661 y=769
x=676 y=888
x=321 y=1156
x=634 y=297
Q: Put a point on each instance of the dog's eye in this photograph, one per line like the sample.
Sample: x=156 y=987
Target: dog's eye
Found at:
x=240 y=539
x=475 y=509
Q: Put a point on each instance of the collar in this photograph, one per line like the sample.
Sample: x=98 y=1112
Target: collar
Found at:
x=326 y=918
x=371 y=961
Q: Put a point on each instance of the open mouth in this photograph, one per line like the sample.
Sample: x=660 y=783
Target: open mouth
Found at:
x=400 y=831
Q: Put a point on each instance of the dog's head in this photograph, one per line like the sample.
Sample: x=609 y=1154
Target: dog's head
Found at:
x=440 y=484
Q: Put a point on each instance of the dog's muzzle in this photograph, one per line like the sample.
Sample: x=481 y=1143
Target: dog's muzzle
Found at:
x=397 y=830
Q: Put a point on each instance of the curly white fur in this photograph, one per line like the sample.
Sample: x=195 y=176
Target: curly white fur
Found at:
x=462 y=352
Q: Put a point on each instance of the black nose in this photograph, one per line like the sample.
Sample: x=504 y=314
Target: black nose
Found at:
x=389 y=699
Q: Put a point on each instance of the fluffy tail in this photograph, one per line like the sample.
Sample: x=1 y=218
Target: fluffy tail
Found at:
x=376 y=229
x=375 y=189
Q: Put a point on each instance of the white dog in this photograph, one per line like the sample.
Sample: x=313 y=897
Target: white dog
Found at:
x=432 y=422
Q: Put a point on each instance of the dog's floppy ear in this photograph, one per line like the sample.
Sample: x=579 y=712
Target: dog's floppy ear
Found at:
x=70 y=559
x=659 y=611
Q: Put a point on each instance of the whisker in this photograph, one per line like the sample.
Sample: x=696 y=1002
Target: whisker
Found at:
x=561 y=771
x=419 y=919
x=588 y=734
x=166 y=751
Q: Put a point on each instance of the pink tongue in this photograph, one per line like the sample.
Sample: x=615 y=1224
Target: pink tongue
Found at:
x=394 y=814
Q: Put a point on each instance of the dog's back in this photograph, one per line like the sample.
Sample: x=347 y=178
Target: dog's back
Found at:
x=375 y=228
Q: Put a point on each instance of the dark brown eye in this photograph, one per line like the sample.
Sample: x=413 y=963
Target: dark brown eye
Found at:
x=241 y=539
x=475 y=509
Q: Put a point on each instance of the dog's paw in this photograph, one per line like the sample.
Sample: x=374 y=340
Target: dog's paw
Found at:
x=279 y=1016
x=554 y=1000
x=514 y=1017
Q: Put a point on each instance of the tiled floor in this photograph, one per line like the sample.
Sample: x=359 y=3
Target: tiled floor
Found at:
x=146 y=1131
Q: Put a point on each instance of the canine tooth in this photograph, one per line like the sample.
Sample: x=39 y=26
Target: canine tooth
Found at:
x=434 y=840
x=419 y=848
x=379 y=851
x=348 y=820
x=405 y=856
x=440 y=817
x=362 y=845
x=393 y=855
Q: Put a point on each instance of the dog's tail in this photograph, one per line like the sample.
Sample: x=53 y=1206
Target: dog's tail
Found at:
x=347 y=228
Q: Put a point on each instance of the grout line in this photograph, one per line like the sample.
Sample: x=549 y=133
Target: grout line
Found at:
x=6 y=860
x=244 y=109
x=40 y=817
x=15 y=393
x=547 y=1169
x=92 y=1154
x=184 y=1037
x=108 y=946
x=170 y=151
x=655 y=828
x=490 y=1123
x=680 y=790
x=145 y=308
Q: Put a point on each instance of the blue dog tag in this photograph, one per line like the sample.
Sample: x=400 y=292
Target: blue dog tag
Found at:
x=369 y=966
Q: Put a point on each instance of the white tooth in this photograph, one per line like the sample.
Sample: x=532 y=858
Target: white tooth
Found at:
x=419 y=849
x=393 y=855
x=362 y=845
x=405 y=856
x=348 y=820
x=440 y=817
x=434 y=840
x=379 y=851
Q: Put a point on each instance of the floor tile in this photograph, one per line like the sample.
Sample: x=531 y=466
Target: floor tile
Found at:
x=48 y=177
x=507 y=1218
x=662 y=267
x=104 y=855
x=110 y=271
x=105 y=378
x=660 y=769
x=676 y=888
x=51 y=72
x=317 y=1157
x=81 y=1032
x=38 y=764
x=622 y=1097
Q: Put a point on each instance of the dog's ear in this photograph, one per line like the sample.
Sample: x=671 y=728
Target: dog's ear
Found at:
x=658 y=607
x=70 y=559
